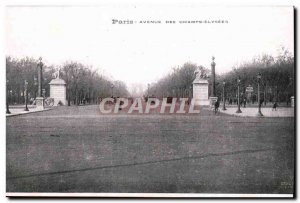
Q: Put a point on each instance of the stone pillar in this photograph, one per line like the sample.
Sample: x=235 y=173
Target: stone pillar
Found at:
x=213 y=97
x=40 y=77
x=200 y=92
x=213 y=82
x=58 y=91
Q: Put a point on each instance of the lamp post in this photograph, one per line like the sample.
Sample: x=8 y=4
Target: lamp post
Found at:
x=224 y=108
x=112 y=90
x=259 y=114
x=276 y=93
x=238 y=93
x=35 y=84
x=7 y=98
x=26 y=96
x=265 y=100
x=287 y=93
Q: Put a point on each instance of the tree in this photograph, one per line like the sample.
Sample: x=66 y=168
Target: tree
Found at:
x=277 y=81
x=83 y=83
x=176 y=83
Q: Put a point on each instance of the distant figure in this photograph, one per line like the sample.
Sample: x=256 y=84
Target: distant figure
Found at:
x=274 y=106
x=189 y=101
x=253 y=99
x=230 y=101
x=32 y=101
x=245 y=101
x=121 y=103
x=217 y=104
x=261 y=102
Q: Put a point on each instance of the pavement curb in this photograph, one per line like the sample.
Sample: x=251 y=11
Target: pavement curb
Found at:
x=29 y=112
x=247 y=116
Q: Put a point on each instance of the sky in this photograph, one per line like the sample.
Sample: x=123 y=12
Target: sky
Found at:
x=143 y=53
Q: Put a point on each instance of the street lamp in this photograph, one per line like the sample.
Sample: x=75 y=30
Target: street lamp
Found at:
x=7 y=97
x=239 y=104
x=35 y=85
x=259 y=114
x=224 y=108
x=26 y=96
x=112 y=90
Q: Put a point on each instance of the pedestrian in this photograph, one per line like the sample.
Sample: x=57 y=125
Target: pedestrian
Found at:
x=261 y=102
x=217 y=104
x=274 y=106
x=245 y=101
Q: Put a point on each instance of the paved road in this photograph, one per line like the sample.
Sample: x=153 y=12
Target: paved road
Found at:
x=76 y=149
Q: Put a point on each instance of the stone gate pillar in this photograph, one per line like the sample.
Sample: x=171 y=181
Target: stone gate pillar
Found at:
x=200 y=92
x=58 y=91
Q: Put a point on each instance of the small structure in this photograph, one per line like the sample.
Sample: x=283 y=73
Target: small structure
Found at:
x=200 y=88
x=58 y=90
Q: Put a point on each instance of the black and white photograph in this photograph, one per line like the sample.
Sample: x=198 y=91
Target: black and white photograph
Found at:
x=150 y=100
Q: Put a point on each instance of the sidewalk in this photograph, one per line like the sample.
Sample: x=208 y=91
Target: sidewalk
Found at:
x=267 y=112
x=19 y=111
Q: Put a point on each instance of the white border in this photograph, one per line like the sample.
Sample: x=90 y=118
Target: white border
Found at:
x=153 y=195
x=91 y=2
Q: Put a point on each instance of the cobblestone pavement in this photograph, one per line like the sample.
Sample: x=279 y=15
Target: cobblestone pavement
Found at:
x=77 y=149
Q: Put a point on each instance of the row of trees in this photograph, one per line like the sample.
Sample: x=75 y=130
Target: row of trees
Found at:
x=177 y=83
x=83 y=83
x=277 y=82
x=277 y=78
